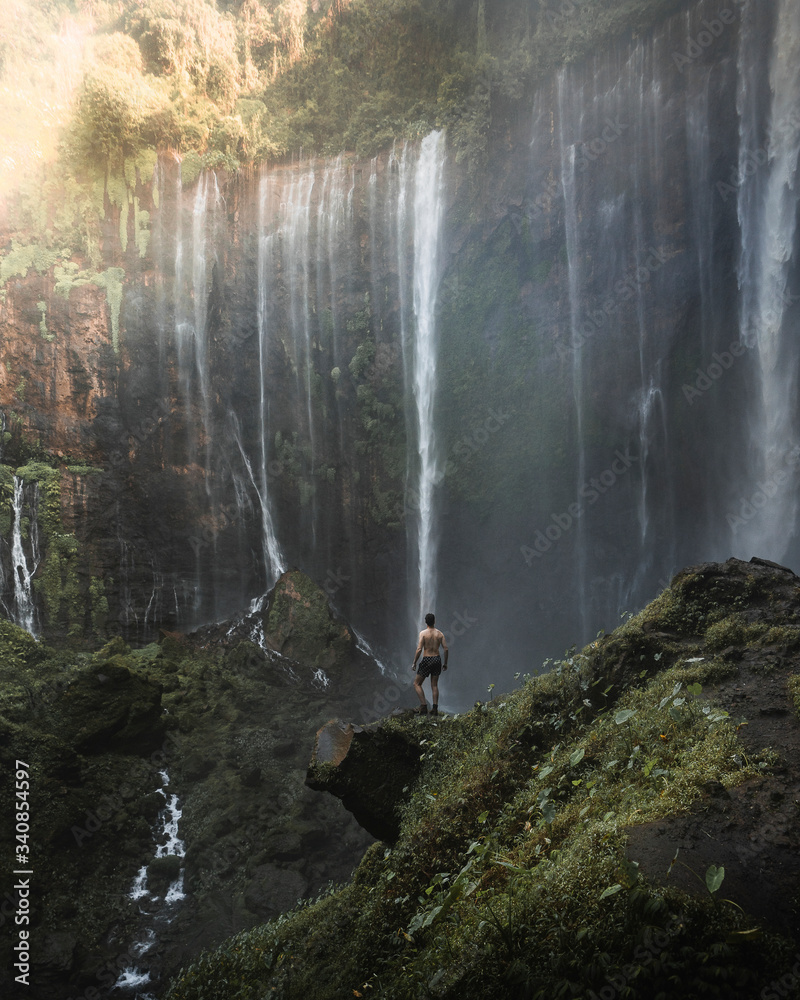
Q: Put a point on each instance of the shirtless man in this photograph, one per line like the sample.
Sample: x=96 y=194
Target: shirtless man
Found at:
x=430 y=665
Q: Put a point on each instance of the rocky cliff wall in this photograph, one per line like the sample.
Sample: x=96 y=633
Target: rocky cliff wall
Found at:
x=252 y=406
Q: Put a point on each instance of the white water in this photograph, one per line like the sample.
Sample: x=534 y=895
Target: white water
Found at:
x=428 y=211
x=158 y=911
x=192 y=286
x=768 y=204
x=273 y=558
x=574 y=265
x=296 y=237
x=24 y=607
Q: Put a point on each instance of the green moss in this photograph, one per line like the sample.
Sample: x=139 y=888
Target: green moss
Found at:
x=98 y=603
x=733 y=630
x=85 y=470
x=6 y=499
x=141 y=228
x=68 y=276
x=49 y=337
x=112 y=280
x=794 y=690
x=57 y=583
x=191 y=167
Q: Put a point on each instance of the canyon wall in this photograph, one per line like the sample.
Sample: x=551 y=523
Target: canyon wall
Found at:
x=525 y=396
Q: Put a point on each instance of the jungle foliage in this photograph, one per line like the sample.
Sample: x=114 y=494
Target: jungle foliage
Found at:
x=255 y=80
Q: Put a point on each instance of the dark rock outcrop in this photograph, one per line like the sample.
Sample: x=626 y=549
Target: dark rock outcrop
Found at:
x=370 y=768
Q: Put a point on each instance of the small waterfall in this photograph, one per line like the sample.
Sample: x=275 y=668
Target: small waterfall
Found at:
x=191 y=304
x=296 y=241
x=575 y=295
x=193 y=270
x=428 y=211
x=273 y=558
x=157 y=910
x=24 y=613
x=768 y=204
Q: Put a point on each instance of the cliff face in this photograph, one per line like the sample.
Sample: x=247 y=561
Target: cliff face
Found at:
x=248 y=366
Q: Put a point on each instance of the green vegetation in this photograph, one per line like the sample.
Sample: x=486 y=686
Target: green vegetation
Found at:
x=97 y=727
x=64 y=600
x=512 y=874
x=794 y=689
x=97 y=89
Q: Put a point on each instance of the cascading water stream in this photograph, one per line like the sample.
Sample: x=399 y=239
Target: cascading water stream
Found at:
x=191 y=292
x=768 y=207
x=571 y=223
x=24 y=612
x=428 y=210
x=158 y=911
x=296 y=237
x=273 y=558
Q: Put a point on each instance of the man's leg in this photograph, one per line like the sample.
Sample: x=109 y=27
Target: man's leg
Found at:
x=418 y=688
x=435 y=693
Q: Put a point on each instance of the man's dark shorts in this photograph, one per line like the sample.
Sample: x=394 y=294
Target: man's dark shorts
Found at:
x=429 y=666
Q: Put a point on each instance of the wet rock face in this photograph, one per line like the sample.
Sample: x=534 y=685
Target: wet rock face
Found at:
x=290 y=346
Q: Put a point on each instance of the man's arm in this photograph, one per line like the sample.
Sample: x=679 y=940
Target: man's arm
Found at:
x=446 y=650
x=416 y=655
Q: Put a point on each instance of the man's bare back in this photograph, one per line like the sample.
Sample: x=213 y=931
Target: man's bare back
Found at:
x=430 y=640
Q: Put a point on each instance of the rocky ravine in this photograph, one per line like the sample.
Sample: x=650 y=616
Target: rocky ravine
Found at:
x=227 y=715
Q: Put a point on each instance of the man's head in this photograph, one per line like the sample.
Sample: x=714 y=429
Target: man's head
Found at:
x=430 y=619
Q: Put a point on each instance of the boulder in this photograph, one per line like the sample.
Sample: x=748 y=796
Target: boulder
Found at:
x=370 y=768
x=300 y=625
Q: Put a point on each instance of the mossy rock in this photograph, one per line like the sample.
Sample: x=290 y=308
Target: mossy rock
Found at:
x=300 y=625
x=162 y=872
x=18 y=647
x=107 y=704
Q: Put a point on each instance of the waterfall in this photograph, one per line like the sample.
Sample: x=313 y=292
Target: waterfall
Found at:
x=24 y=613
x=428 y=210
x=768 y=206
x=193 y=271
x=296 y=241
x=158 y=911
x=575 y=301
x=191 y=307
x=273 y=559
